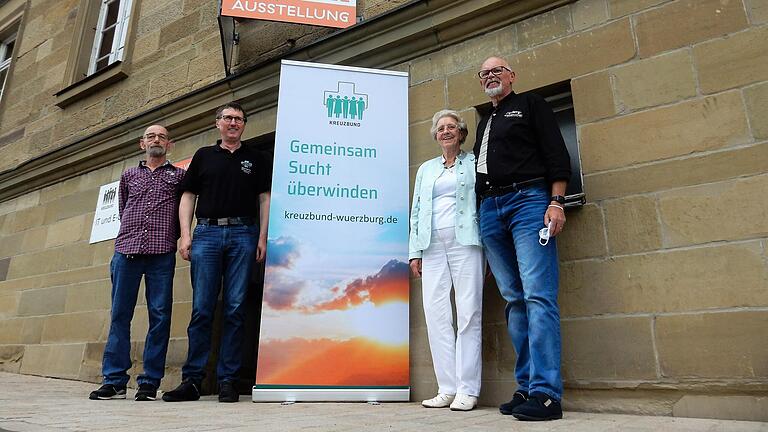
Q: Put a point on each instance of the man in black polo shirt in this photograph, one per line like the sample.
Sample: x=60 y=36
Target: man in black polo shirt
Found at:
x=230 y=183
x=522 y=171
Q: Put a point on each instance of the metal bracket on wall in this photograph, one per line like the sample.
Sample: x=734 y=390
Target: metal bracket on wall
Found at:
x=230 y=41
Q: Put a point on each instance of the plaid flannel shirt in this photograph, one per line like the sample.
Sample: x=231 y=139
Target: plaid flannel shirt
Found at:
x=149 y=209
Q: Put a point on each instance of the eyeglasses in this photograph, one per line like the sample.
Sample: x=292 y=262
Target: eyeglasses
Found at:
x=229 y=118
x=152 y=136
x=449 y=128
x=498 y=70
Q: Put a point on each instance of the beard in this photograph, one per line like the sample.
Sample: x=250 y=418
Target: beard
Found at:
x=494 y=91
x=156 y=151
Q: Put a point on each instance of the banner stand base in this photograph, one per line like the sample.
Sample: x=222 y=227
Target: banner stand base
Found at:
x=331 y=394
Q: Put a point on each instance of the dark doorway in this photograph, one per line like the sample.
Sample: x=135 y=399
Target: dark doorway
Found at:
x=250 y=350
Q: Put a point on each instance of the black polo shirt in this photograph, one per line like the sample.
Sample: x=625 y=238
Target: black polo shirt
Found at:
x=227 y=184
x=524 y=143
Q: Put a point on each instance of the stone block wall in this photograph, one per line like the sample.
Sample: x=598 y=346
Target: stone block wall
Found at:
x=54 y=285
x=176 y=49
x=664 y=273
x=55 y=295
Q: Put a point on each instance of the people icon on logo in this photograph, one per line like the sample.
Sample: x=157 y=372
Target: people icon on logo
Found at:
x=345 y=107
x=329 y=105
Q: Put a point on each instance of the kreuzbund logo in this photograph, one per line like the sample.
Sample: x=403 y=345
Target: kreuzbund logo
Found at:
x=345 y=106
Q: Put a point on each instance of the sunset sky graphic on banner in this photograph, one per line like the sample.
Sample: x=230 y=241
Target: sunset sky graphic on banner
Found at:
x=325 y=332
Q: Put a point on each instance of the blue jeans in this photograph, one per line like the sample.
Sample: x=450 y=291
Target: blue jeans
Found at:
x=126 y=272
x=527 y=276
x=218 y=252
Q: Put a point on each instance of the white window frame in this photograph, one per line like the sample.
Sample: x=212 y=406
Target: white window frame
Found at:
x=6 y=64
x=121 y=30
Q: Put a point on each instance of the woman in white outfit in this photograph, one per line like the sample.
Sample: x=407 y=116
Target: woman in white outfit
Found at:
x=444 y=249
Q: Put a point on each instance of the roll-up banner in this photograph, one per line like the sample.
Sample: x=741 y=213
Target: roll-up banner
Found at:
x=334 y=324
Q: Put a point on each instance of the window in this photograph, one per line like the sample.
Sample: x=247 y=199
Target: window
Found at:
x=6 y=54
x=560 y=99
x=100 y=50
x=111 y=30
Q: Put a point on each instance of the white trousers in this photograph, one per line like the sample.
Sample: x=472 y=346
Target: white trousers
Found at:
x=456 y=356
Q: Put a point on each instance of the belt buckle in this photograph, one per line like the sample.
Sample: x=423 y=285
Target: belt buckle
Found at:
x=222 y=221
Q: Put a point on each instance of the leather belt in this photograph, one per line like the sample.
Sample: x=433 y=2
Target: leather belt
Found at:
x=514 y=187
x=227 y=221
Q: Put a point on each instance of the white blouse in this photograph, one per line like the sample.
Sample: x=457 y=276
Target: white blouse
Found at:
x=444 y=200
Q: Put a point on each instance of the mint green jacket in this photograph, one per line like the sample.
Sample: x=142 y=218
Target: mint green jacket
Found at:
x=467 y=228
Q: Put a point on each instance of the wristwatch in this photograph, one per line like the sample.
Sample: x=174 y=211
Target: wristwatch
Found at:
x=558 y=198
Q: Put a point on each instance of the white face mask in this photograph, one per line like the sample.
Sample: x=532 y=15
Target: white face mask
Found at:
x=544 y=234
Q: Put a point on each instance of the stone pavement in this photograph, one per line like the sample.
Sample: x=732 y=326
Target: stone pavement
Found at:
x=30 y=403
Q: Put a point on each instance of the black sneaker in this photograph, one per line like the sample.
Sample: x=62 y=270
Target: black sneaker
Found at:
x=539 y=407
x=146 y=392
x=188 y=390
x=519 y=398
x=108 y=391
x=228 y=392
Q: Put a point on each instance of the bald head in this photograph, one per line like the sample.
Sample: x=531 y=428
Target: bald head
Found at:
x=155 y=141
x=492 y=62
x=496 y=78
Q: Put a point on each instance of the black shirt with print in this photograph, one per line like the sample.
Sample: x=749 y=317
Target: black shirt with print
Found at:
x=524 y=143
x=227 y=184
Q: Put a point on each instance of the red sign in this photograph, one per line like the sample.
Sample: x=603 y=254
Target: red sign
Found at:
x=328 y=13
x=183 y=164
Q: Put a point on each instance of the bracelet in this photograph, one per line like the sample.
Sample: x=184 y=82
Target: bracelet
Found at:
x=555 y=205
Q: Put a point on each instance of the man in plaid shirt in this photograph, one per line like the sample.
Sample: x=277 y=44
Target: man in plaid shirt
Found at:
x=145 y=246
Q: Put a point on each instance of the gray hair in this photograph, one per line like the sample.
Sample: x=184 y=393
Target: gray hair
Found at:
x=453 y=114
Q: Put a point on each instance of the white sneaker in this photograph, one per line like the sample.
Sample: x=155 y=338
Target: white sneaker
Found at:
x=442 y=400
x=463 y=402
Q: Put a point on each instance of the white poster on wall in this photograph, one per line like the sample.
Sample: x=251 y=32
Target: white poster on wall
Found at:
x=106 y=221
